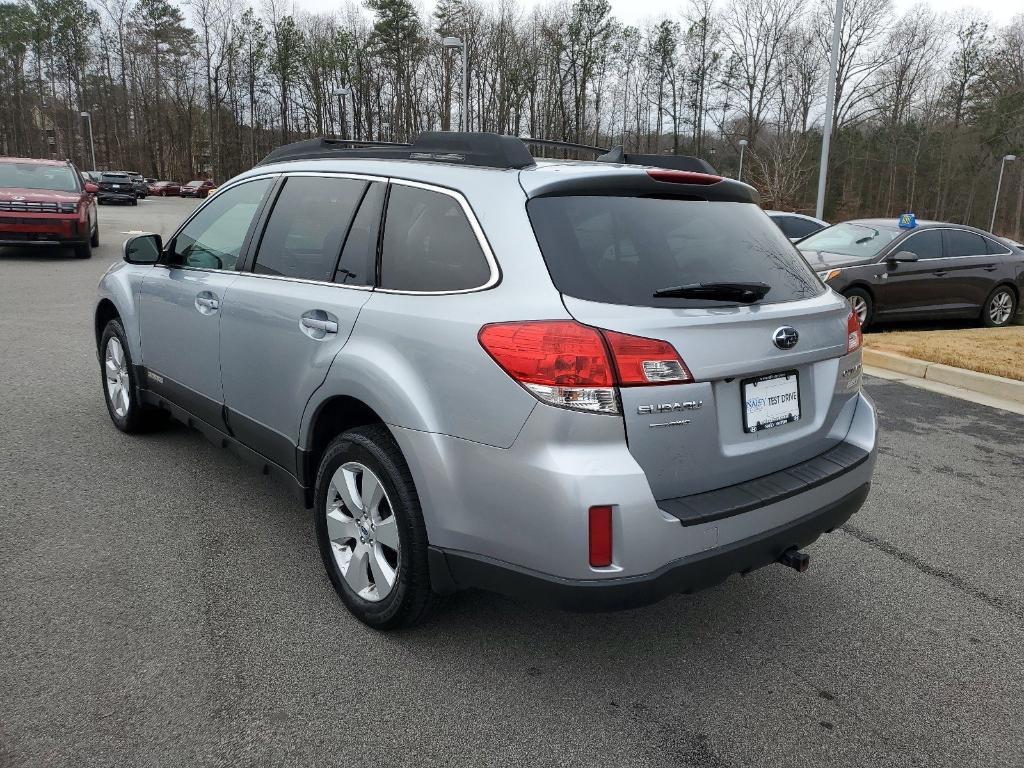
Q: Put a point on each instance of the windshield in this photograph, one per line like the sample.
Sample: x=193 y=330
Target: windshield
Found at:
x=59 y=178
x=858 y=240
x=197 y=183
x=621 y=250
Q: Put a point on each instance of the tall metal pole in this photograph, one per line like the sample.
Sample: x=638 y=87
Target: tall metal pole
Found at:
x=465 y=87
x=743 y=146
x=999 y=186
x=92 y=143
x=830 y=103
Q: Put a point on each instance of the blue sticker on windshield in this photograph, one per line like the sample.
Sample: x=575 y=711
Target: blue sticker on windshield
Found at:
x=908 y=221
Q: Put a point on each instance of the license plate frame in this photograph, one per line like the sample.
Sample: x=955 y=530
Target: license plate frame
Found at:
x=779 y=417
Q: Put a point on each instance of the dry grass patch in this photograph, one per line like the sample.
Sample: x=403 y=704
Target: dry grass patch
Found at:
x=999 y=351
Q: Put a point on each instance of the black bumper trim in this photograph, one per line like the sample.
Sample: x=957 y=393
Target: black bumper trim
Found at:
x=452 y=570
x=743 y=497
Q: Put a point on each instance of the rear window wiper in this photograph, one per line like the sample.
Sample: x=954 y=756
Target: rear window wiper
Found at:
x=745 y=293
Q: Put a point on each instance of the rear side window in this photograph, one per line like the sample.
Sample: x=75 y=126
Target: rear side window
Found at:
x=305 y=232
x=793 y=227
x=995 y=248
x=962 y=243
x=924 y=245
x=359 y=256
x=428 y=244
x=620 y=250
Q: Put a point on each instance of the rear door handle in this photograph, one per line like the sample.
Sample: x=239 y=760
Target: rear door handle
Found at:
x=990 y=267
x=939 y=273
x=207 y=303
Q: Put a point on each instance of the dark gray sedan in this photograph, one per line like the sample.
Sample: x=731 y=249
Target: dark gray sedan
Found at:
x=928 y=270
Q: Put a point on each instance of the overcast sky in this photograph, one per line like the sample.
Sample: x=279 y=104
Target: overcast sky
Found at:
x=635 y=11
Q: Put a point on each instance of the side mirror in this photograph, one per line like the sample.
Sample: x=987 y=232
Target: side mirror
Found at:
x=902 y=256
x=91 y=188
x=143 y=249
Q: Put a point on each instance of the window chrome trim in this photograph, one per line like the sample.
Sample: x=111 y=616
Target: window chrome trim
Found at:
x=943 y=258
x=199 y=209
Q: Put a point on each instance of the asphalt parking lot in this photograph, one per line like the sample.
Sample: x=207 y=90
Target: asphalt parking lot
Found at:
x=164 y=605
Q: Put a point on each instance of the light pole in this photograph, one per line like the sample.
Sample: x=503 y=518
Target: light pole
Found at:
x=830 y=103
x=385 y=129
x=92 y=143
x=342 y=94
x=455 y=42
x=743 y=146
x=999 y=184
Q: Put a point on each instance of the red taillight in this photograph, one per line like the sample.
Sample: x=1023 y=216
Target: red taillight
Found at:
x=640 y=361
x=567 y=364
x=600 y=537
x=854 y=335
x=550 y=352
x=682 y=177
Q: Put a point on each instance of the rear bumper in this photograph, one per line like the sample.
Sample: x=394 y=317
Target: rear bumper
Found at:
x=451 y=571
x=115 y=197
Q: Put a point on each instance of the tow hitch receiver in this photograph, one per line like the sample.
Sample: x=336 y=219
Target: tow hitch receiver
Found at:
x=795 y=559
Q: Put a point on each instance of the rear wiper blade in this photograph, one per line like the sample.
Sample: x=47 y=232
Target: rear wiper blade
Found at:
x=745 y=293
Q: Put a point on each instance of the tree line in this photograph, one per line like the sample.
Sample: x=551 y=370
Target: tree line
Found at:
x=926 y=104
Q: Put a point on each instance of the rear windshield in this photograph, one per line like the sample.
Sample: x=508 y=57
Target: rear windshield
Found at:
x=850 y=239
x=620 y=250
x=59 y=178
x=115 y=177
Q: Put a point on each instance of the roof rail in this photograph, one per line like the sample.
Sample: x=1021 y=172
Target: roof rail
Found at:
x=488 y=150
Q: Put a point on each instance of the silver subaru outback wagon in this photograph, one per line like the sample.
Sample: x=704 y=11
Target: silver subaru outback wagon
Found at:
x=592 y=384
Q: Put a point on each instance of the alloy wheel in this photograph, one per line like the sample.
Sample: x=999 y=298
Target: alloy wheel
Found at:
x=115 y=369
x=1000 y=307
x=363 y=531
x=859 y=307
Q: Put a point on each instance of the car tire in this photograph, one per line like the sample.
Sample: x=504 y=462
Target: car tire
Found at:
x=999 y=307
x=83 y=250
x=861 y=303
x=359 y=567
x=126 y=409
x=94 y=241
x=134 y=202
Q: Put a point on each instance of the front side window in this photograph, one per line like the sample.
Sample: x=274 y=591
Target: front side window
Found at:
x=924 y=245
x=57 y=178
x=959 y=242
x=307 y=227
x=624 y=250
x=428 y=244
x=214 y=237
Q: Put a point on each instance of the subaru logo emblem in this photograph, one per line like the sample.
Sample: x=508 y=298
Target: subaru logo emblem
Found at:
x=785 y=337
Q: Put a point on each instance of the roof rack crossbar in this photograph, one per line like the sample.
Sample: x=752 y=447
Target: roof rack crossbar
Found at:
x=564 y=145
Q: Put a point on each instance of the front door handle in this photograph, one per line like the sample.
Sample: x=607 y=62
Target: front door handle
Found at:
x=327 y=326
x=990 y=267
x=207 y=303
x=939 y=273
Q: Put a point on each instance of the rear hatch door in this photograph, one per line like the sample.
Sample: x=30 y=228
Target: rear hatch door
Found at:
x=758 y=403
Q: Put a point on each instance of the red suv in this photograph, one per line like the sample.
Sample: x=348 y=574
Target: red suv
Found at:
x=46 y=202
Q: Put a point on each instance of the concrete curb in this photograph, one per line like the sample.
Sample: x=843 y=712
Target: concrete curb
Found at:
x=985 y=383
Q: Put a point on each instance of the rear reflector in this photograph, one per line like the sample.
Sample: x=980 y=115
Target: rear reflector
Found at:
x=682 y=177
x=567 y=364
x=854 y=335
x=600 y=537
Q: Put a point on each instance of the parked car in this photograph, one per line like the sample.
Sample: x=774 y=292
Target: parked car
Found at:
x=796 y=226
x=46 y=203
x=197 y=188
x=139 y=185
x=116 y=187
x=590 y=384
x=920 y=270
x=165 y=188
